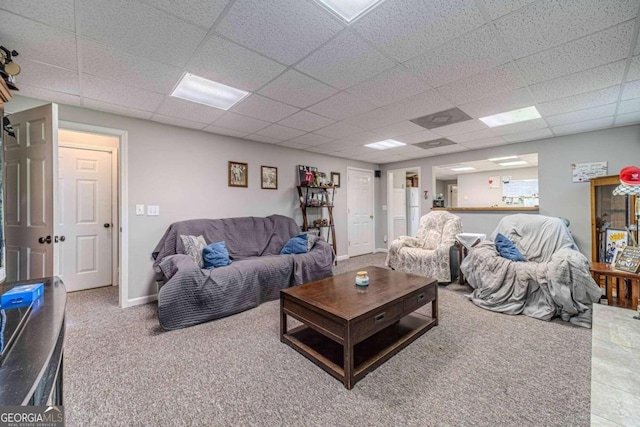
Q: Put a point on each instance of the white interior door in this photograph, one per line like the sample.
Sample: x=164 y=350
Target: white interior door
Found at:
x=85 y=218
x=360 y=211
x=30 y=194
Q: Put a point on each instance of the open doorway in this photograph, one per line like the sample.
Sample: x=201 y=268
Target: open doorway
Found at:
x=403 y=202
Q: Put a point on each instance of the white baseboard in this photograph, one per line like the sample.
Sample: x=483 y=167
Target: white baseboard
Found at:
x=385 y=250
x=140 y=301
x=342 y=257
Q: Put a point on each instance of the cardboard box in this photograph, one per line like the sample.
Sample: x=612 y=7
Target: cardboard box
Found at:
x=22 y=295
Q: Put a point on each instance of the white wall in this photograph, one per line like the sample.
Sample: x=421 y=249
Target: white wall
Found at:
x=474 y=191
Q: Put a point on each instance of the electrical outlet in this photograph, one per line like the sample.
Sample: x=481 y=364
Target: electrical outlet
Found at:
x=139 y=209
x=153 y=210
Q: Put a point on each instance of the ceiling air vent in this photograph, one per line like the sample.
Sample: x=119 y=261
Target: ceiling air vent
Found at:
x=434 y=144
x=442 y=118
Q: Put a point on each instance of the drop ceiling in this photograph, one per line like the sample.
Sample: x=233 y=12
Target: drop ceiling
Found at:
x=445 y=172
x=320 y=85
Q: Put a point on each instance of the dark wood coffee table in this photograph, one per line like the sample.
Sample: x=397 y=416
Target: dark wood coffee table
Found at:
x=348 y=331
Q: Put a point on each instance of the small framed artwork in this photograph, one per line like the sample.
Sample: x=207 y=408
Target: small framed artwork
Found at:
x=238 y=174
x=335 y=179
x=269 y=178
x=614 y=239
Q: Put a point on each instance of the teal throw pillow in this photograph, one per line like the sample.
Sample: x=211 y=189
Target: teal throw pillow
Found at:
x=215 y=255
x=507 y=249
x=295 y=245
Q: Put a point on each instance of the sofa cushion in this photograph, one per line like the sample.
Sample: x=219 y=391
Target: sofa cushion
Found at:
x=215 y=255
x=507 y=249
x=296 y=245
x=193 y=246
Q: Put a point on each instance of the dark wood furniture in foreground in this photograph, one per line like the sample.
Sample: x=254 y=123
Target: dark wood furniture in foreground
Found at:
x=627 y=298
x=349 y=331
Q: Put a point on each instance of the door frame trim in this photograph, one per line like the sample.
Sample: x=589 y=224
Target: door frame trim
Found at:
x=114 y=192
x=123 y=202
x=389 y=197
x=373 y=208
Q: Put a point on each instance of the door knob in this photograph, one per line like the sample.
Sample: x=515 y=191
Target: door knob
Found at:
x=370 y=216
x=43 y=240
x=107 y=225
x=62 y=238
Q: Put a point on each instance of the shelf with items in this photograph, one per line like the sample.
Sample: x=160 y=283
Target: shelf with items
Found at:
x=313 y=202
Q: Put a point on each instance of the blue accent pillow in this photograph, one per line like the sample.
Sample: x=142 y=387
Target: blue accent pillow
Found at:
x=295 y=245
x=507 y=249
x=215 y=255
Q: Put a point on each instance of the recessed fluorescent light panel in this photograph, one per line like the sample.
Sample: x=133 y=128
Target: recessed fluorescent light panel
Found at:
x=386 y=144
x=207 y=92
x=515 y=116
x=519 y=162
x=495 y=159
x=466 y=168
x=349 y=10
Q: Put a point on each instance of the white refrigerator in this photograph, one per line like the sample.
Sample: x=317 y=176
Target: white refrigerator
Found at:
x=413 y=210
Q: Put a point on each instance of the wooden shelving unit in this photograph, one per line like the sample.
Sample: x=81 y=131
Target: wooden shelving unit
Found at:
x=313 y=200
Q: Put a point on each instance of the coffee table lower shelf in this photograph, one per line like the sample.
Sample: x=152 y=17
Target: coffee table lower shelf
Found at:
x=368 y=354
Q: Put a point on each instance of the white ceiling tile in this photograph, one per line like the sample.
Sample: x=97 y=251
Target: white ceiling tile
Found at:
x=334 y=146
x=108 y=62
x=372 y=119
x=58 y=13
x=549 y=23
x=339 y=130
x=200 y=12
x=262 y=138
x=470 y=54
x=341 y=105
x=449 y=149
x=47 y=76
x=242 y=123
x=583 y=126
x=227 y=132
x=630 y=106
x=631 y=90
x=529 y=136
x=291 y=144
x=582 y=115
x=295 y=88
x=140 y=29
x=320 y=149
x=499 y=103
x=94 y=104
x=285 y=30
x=115 y=93
x=419 y=105
x=580 y=102
x=481 y=143
x=46 y=95
x=634 y=69
x=501 y=79
x=360 y=139
x=392 y=158
x=592 y=51
x=583 y=81
x=473 y=136
x=390 y=86
x=345 y=61
x=306 y=121
x=188 y=110
x=280 y=132
x=460 y=128
x=498 y=8
x=38 y=42
x=628 y=119
x=520 y=127
x=406 y=28
x=259 y=107
x=311 y=139
x=233 y=65
x=175 y=121
x=398 y=129
x=421 y=136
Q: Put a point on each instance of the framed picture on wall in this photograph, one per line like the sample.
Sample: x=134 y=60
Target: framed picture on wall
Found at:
x=615 y=238
x=238 y=174
x=335 y=179
x=269 y=177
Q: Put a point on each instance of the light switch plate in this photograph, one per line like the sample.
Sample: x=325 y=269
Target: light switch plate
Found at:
x=153 y=210
x=139 y=209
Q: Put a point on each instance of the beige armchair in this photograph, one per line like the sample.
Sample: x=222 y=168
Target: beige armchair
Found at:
x=432 y=252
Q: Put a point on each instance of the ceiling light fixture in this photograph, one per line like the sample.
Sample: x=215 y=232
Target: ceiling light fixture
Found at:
x=496 y=159
x=515 y=116
x=516 y=163
x=349 y=10
x=386 y=144
x=203 y=91
x=466 y=168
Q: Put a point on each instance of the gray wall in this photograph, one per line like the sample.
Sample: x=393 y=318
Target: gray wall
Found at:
x=620 y=147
